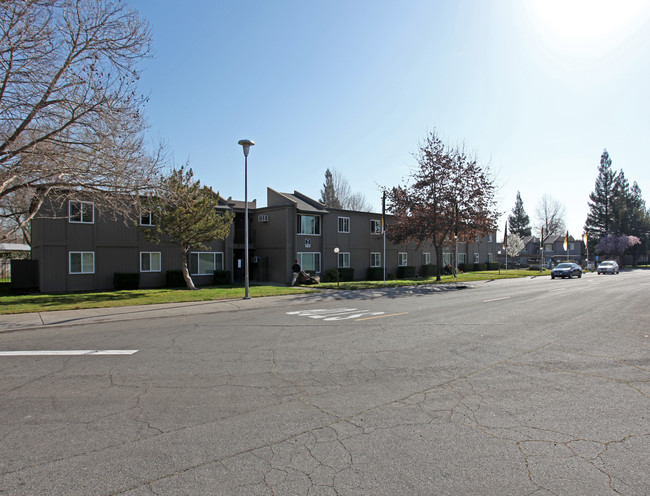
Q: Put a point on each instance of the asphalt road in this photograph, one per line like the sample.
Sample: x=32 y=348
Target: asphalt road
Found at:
x=518 y=387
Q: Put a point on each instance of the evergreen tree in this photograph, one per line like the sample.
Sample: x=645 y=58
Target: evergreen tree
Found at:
x=519 y=221
x=328 y=196
x=187 y=213
x=600 y=217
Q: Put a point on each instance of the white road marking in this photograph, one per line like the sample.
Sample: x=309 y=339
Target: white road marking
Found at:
x=497 y=299
x=334 y=313
x=66 y=352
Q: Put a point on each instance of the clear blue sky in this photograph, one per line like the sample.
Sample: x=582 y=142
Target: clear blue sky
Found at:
x=537 y=89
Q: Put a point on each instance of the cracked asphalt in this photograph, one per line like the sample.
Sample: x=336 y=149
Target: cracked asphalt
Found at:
x=518 y=387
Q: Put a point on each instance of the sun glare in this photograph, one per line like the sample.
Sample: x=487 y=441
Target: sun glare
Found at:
x=585 y=27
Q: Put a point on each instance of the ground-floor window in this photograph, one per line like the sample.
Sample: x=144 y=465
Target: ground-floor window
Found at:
x=309 y=261
x=401 y=259
x=205 y=263
x=149 y=261
x=475 y=257
x=489 y=257
x=82 y=262
x=375 y=259
x=462 y=258
x=344 y=260
x=446 y=258
x=426 y=258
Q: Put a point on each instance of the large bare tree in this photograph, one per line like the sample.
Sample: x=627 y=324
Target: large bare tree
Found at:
x=452 y=195
x=550 y=215
x=70 y=113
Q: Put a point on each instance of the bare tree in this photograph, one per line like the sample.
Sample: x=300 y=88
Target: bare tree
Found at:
x=346 y=198
x=70 y=115
x=551 y=215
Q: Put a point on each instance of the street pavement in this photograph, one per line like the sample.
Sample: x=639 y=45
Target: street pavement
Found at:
x=518 y=387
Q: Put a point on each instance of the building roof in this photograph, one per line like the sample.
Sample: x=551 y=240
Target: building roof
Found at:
x=304 y=203
x=14 y=247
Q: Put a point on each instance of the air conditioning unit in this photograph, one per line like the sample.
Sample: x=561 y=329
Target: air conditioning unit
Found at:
x=262 y=218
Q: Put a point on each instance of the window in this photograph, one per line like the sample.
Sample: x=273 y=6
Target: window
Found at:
x=426 y=258
x=309 y=261
x=81 y=212
x=344 y=260
x=146 y=219
x=489 y=238
x=82 y=262
x=446 y=257
x=475 y=257
x=490 y=257
x=375 y=226
x=375 y=259
x=149 y=261
x=571 y=246
x=462 y=258
x=548 y=247
x=344 y=224
x=309 y=224
x=401 y=259
x=205 y=263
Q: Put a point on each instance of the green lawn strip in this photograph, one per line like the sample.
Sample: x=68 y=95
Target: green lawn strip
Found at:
x=73 y=301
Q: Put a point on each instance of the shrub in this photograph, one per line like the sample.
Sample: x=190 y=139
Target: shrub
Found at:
x=376 y=273
x=428 y=270
x=222 y=277
x=448 y=270
x=330 y=275
x=174 y=279
x=479 y=267
x=492 y=265
x=465 y=267
x=406 y=272
x=126 y=280
x=345 y=274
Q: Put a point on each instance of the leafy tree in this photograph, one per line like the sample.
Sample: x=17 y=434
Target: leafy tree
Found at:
x=328 y=196
x=188 y=214
x=551 y=215
x=519 y=221
x=451 y=195
x=71 y=115
x=600 y=221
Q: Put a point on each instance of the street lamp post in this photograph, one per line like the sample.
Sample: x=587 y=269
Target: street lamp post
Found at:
x=336 y=252
x=246 y=144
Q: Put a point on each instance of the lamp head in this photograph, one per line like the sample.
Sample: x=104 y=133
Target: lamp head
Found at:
x=246 y=143
x=336 y=250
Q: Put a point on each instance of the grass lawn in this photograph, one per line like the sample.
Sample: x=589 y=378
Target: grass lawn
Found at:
x=23 y=303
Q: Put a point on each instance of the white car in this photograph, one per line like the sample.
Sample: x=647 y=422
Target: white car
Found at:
x=608 y=267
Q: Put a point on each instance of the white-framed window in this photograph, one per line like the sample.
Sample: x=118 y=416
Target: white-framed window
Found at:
x=149 y=261
x=571 y=246
x=490 y=238
x=475 y=257
x=344 y=224
x=309 y=261
x=548 y=247
x=309 y=224
x=344 y=260
x=477 y=239
x=401 y=259
x=490 y=257
x=462 y=258
x=82 y=262
x=81 y=212
x=146 y=219
x=446 y=258
x=375 y=259
x=426 y=258
x=205 y=262
x=375 y=226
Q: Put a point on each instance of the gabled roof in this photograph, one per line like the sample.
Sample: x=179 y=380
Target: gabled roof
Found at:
x=303 y=203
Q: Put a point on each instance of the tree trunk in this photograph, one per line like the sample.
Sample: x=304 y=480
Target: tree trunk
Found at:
x=439 y=261
x=186 y=271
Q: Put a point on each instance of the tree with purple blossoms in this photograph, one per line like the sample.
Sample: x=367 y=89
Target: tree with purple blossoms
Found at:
x=615 y=245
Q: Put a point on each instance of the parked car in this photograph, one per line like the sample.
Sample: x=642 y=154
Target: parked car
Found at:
x=608 y=267
x=566 y=269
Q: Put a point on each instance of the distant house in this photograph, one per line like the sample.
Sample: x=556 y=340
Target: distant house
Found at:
x=79 y=249
x=555 y=253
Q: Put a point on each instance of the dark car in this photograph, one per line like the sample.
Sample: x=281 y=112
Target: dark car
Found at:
x=566 y=269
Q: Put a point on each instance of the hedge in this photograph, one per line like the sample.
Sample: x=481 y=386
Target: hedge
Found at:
x=345 y=274
x=492 y=265
x=126 y=280
x=429 y=270
x=375 y=273
x=406 y=272
x=222 y=277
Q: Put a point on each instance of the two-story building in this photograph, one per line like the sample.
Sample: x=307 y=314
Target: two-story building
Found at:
x=79 y=249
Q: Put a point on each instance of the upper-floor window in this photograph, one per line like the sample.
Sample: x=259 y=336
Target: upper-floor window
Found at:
x=548 y=247
x=344 y=260
x=82 y=262
x=81 y=212
x=489 y=238
x=344 y=224
x=309 y=224
x=375 y=226
x=146 y=219
x=571 y=246
x=426 y=258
